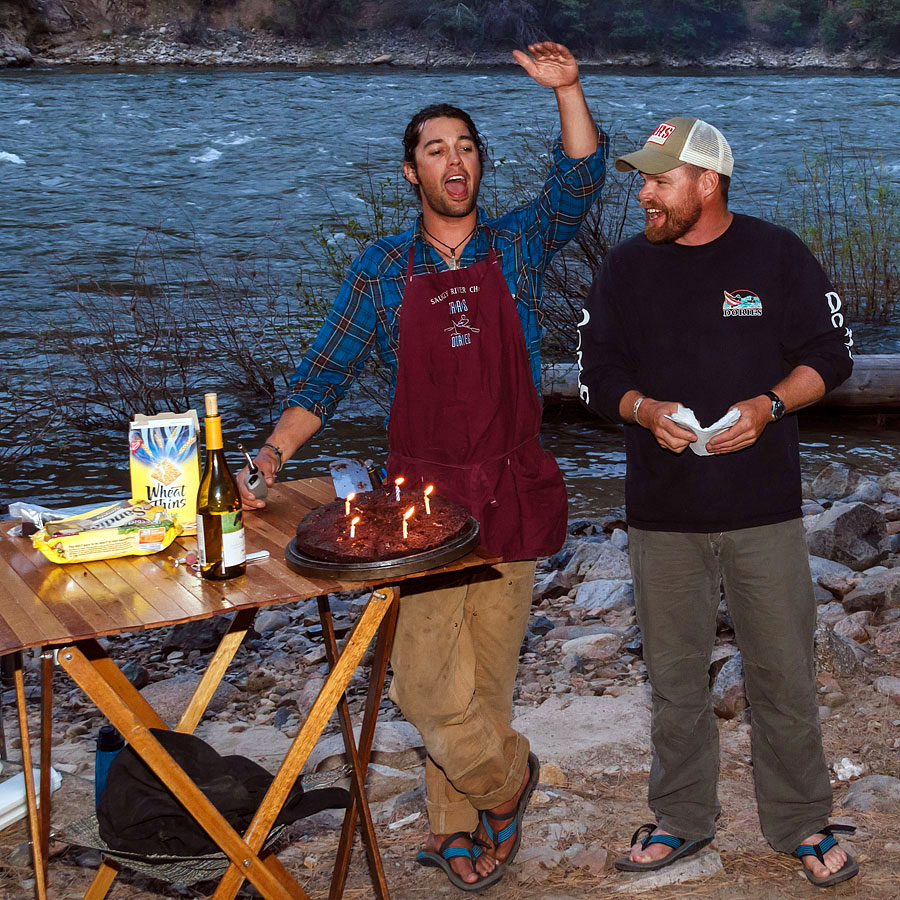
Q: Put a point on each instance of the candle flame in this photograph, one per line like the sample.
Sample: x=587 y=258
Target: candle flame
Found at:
x=409 y=512
x=350 y=497
x=354 y=520
x=429 y=489
x=399 y=481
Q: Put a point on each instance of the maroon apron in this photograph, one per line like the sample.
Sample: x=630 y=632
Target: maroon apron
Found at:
x=466 y=415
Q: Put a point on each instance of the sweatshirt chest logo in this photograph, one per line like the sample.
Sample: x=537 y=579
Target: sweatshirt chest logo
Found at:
x=741 y=303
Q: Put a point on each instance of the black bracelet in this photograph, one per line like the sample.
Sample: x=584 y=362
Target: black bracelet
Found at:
x=278 y=454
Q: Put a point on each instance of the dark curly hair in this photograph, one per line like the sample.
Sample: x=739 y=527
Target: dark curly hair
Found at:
x=437 y=111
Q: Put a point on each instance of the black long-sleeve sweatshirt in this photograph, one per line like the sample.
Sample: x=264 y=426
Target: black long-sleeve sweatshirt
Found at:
x=709 y=326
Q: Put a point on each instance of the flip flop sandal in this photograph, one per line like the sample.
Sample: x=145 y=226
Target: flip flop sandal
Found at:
x=441 y=860
x=845 y=873
x=680 y=849
x=498 y=837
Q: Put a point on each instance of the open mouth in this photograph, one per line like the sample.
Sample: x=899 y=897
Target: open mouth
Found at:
x=456 y=186
x=653 y=214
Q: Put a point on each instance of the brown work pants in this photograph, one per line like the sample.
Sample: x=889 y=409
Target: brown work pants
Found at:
x=455 y=657
x=769 y=593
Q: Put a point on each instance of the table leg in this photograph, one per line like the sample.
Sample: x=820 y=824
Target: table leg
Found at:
x=34 y=825
x=312 y=728
x=366 y=735
x=215 y=670
x=46 y=747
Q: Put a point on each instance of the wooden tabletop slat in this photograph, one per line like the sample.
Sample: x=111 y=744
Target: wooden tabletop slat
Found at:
x=59 y=591
x=43 y=603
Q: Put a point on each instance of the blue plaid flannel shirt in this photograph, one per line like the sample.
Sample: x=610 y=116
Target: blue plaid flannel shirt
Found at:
x=364 y=315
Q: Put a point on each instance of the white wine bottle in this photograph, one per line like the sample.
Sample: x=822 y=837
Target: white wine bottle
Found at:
x=220 y=525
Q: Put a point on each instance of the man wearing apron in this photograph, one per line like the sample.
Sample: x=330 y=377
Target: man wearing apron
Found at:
x=453 y=305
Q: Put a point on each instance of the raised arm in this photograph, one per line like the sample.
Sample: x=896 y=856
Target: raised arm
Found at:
x=553 y=65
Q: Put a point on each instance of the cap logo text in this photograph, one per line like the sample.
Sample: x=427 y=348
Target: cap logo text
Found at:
x=662 y=134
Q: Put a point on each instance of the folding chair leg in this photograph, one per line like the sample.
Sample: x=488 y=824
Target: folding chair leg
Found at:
x=102 y=882
x=34 y=825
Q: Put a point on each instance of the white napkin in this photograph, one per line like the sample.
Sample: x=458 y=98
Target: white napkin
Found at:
x=686 y=418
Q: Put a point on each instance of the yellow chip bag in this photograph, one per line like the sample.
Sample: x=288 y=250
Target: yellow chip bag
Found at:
x=165 y=464
x=127 y=528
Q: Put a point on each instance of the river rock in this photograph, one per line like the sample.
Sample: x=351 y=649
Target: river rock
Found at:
x=203 y=634
x=839 y=585
x=397 y=745
x=602 y=647
x=597 y=559
x=550 y=586
x=264 y=744
x=834 y=481
x=728 y=694
x=890 y=482
x=874 y=793
x=887 y=639
x=854 y=626
x=821 y=568
x=170 y=697
x=881 y=591
x=703 y=865
x=578 y=732
x=867 y=491
x=835 y=654
x=570 y=632
x=619 y=539
x=594 y=858
x=271 y=620
x=830 y=613
x=603 y=595
x=136 y=673
x=853 y=534
x=889 y=686
x=384 y=782
x=12 y=53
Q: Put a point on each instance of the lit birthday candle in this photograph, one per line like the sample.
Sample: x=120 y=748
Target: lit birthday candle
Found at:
x=347 y=505
x=397 y=483
x=353 y=522
x=406 y=516
x=428 y=490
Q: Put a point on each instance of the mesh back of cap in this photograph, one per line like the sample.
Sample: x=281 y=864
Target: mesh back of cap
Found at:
x=706 y=147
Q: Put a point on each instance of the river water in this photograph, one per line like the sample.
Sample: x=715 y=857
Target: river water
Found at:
x=247 y=162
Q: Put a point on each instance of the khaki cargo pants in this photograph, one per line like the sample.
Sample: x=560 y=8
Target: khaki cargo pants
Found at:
x=769 y=593
x=455 y=657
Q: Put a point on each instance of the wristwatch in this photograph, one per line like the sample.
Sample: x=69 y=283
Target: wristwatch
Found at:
x=777 y=406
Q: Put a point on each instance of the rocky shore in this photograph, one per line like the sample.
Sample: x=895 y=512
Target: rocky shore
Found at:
x=166 y=45
x=582 y=698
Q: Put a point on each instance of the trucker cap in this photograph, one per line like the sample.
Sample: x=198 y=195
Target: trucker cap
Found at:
x=676 y=142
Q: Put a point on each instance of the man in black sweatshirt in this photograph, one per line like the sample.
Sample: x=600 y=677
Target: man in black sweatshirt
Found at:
x=712 y=313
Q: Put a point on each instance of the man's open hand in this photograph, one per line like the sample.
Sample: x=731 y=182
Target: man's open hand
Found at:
x=755 y=415
x=550 y=65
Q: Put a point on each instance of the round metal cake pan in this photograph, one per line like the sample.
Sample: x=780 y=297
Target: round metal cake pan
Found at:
x=464 y=542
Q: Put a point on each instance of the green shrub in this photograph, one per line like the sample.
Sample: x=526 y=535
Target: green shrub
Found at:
x=880 y=26
x=833 y=29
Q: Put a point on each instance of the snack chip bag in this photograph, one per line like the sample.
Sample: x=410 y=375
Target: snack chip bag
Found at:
x=165 y=464
x=127 y=528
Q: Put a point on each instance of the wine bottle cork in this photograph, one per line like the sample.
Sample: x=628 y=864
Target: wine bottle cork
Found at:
x=212 y=404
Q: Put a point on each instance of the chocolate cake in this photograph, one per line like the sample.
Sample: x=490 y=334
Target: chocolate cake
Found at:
x=324 y=533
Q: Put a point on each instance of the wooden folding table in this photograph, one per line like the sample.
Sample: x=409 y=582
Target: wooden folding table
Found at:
x=67 y=607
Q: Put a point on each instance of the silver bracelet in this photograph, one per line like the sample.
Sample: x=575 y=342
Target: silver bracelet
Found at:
x=636 y=407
